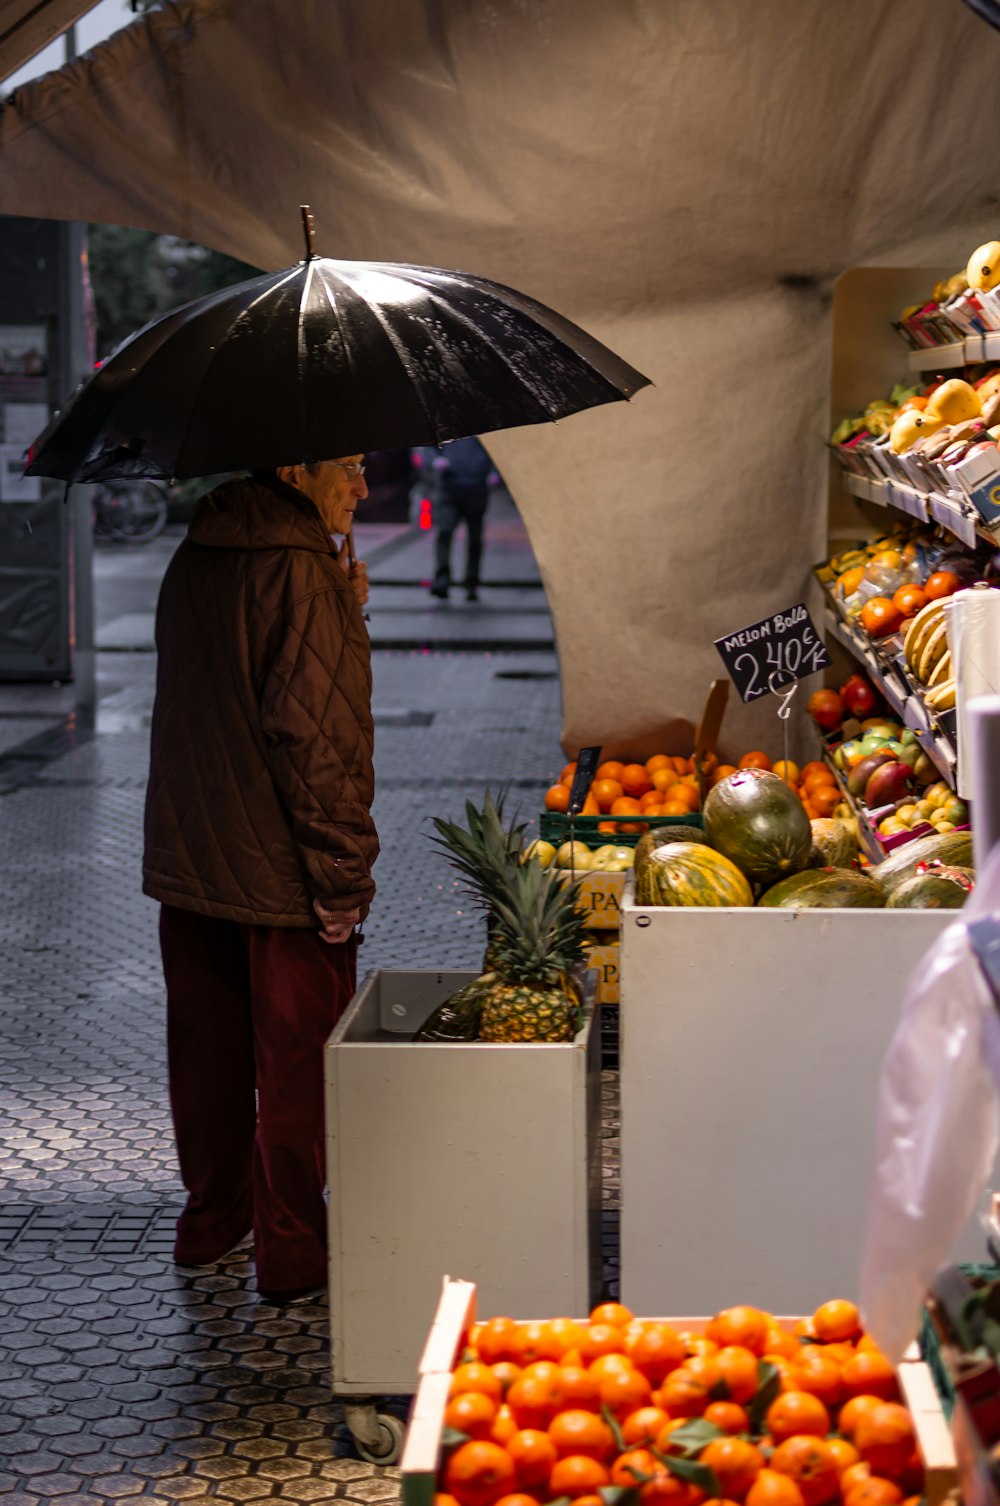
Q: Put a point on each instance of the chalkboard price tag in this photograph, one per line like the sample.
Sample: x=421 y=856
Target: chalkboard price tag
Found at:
x=587 y=762
x=774 y=652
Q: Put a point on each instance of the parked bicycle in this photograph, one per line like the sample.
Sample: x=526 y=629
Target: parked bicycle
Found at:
x=129 y=512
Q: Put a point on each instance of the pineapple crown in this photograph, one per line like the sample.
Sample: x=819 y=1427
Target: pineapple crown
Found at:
x=539 y=930
x=487 y=852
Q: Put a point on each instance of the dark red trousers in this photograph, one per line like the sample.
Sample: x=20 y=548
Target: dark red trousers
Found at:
x=248 y=1011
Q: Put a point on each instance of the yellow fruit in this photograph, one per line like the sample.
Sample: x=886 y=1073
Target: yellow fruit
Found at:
x=954 y=401
x=906 y=813
x=983 y=270
x=542 y=852
x=911 y=426
x=574 y=855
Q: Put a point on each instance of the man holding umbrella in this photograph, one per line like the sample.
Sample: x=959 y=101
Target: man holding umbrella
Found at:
x=259 y=846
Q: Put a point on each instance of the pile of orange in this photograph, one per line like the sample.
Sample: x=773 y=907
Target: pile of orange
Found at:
x=746 y=1412
x=664 y=785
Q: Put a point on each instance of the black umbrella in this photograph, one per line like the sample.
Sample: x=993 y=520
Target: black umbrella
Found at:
x=323 y=359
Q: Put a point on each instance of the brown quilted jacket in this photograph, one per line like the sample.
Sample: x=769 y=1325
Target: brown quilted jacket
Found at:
x=261 y=780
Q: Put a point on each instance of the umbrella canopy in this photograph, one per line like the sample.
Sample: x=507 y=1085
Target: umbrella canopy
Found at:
x=322 y=359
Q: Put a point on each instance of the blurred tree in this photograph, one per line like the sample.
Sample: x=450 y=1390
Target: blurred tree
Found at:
x=136 y=275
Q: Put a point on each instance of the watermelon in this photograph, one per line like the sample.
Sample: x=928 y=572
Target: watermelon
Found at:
x=951 y=847
x=834 y=844
x=940 y=888
x=825 y=889
x=662 y=836
x=755 y=819
x=690 y=873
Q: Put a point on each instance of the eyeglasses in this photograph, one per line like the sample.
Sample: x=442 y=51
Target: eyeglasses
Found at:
x=352 y=469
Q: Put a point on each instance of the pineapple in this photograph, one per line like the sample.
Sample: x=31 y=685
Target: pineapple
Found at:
x=486 y=853
x=538 y=939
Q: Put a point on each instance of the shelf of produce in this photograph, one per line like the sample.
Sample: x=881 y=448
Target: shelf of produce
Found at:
x=951 y=511
x=901 y=694
x=942 y=357
x=867 y=834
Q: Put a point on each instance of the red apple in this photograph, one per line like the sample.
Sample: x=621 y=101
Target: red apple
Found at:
x=888 y=783
x=826 y=709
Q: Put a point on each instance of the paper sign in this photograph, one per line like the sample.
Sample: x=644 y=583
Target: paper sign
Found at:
x=587 y=761
x=23 y=422
x=772 y=653
x=14 y=485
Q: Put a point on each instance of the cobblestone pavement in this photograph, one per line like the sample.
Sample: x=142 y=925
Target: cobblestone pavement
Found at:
x=120 y=1375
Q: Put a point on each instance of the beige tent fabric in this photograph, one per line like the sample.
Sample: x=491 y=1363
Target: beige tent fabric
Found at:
x=686 y=178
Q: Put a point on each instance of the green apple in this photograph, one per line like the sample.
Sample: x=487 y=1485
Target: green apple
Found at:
x=908 y=737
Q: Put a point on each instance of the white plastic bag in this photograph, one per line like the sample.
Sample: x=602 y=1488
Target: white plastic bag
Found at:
x=938 y=1124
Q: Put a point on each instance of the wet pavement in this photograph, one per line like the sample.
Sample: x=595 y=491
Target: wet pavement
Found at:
x=120 y=1375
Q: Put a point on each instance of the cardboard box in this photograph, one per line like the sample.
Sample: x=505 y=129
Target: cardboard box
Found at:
x=605 y=960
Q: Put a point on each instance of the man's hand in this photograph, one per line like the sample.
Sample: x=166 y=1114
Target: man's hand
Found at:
x=357 y=574
x=337 y=924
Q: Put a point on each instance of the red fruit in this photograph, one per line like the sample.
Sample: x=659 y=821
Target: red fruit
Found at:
x=826 y=709
x=859 y=697
x=889 y=783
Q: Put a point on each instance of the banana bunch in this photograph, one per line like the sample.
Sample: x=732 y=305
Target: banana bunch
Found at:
x=928 y=657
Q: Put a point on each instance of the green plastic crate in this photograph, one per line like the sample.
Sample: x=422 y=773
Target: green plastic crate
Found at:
x=930 y=1345
x=555 y=828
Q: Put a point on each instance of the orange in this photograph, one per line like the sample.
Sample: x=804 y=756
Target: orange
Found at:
x=739 y=1372
x=870 y=1375
x=849 y=582
x=577 y=1388
x=590 y=807
x=504 y=1427
x=599 y=1339
x=840 y=1352
x=745 y=1326
x=874 y=1492
x=658 y=761
x=846 y=1453
x=566 y=1334
x=475 y=1377
x=630 y=1467
x=611 y=770
x=606 y=792
x=705 y=1368
x=506 y=1373
x=820 y=1376
x=557 y=798
x=626 y=807
x=533 y=1401
x=471 y=1413
x=655 y=1349
x=736 y=1464
x=755 y=760
x=941 y=583
x=665 y=1489
x=610 y=1364
x=779 y=1341
x=796 y=1412
x=625 y=1390
x=478 y=1474
x=825 y=800
x=786 y=1369
x=663 y=1443
x=660 y=810
x=672 y=808
x=644 y=1425
x=788 y=771
x=584 y=1500
x=773 y=1489
x=581 y=1433
x=519 y=1498
x=880 y=616
x=664 y=779
x=815 y=766
x=854 y=1474
x=822 y=778
x=884 y=1439
x=909 y=599
x=443 y=1500
x=683 y=1394
x=836 y=1321
x=577 y=1475
x=635 y=781
x=728 y=1416
x=696 y=1343
x=495 y=1340
x=867 y=1345
x=811 y=1464
x=533 y=1342
x=722 y=772
x=568 y=774
x=650 y=801
x=685 y=794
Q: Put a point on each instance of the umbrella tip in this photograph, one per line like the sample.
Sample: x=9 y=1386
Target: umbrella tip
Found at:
x=308 y=230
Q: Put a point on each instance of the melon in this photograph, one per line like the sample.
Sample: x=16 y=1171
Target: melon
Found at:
x=951 y=847
x=940 y=888
x=690 y=873
x=825 y=889
x=663 y=836
x=758 y=822
x=835 y=844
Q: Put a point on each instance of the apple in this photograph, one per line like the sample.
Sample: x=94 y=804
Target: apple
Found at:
x=888 y=783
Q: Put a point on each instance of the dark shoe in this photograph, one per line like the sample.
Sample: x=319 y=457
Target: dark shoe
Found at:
x=441 y=592
x=291 y=1296
x=471 y=593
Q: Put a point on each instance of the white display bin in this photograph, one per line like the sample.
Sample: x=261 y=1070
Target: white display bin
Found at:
x=479 y=1158
x=752 y=1042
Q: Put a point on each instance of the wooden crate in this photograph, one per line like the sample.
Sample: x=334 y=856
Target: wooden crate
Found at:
x=456 y=1314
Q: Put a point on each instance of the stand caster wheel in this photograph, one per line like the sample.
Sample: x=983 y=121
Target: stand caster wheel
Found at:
x=378 y=1436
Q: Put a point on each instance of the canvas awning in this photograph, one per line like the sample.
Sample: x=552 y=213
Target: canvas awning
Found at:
x=686 y=180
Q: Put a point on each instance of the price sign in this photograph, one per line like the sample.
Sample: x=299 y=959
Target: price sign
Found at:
x=587 y=761
x=773 y=652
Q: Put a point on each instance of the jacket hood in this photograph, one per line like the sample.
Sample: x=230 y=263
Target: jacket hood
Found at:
x=258 y=512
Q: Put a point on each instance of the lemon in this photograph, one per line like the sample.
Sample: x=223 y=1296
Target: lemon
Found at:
x=542 y=852
x=575 y=855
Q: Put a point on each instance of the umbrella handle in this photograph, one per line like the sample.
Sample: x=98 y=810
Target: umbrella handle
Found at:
x=352 y=560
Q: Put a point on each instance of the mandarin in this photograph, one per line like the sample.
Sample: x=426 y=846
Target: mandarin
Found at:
x=683 y=1394
x=495 y=1340
x=504 y=1427
x=533 y=1401
x=566 y=1334
x=577 y=1475
x=577 y=1388
x=534 y=1341
x=624 y=1391
x=870 y=1375
x=845 y=1452
x=797 y=1412
x=606 y=792
x=787 y=770
x=645 y=1425
x=736 y=1464
x=773 y=1489
x=722 y=772
x=739 y=1372
x=506 y=1373
x=635 y=780
x=820 y=1376
x=837 y=1320
x=630 y=1467
x=478 y=1473
x=874 y=1492
x=728 y=1416
x=884 y=1438
x=611 y=770
x=655 y=1349
x=755 y=760
x=557 y=798
x=745 y=1326
x=475 y=1376
x=811 y=1464
x=658 y=761
x=665 y=1489
x=625 y=806
x=582 y=1433
x=568 y=774
x=471 y=1413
